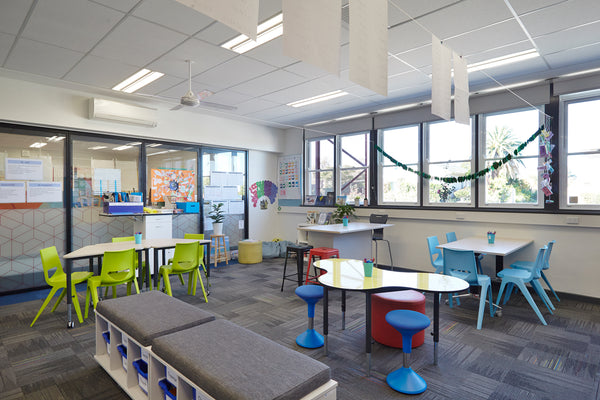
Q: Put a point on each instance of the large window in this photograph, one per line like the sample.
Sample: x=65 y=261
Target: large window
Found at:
x=516 y=183
x=448 y=152
x=354 y=166
x=580 y=153
x=399 y=186
x=319 y=162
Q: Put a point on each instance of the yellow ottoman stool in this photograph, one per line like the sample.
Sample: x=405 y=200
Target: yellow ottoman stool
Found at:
x=250 y=251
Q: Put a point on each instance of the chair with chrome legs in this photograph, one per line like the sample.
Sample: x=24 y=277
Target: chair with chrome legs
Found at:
x=378 y=235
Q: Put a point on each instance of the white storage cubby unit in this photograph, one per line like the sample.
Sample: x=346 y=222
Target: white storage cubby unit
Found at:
x=126 y=375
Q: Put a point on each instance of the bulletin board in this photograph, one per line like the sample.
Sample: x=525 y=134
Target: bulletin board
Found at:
x=173 y=182
x=290 y=180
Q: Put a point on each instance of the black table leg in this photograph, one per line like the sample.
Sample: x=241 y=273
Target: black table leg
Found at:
x=207 y=259
x=156 y=268
x=70 y=323
x=300 y=266
x=436 y=325
x=499 y=264
x=146 y=256
x=343 y=309
x=368 y=331
x=325 y=316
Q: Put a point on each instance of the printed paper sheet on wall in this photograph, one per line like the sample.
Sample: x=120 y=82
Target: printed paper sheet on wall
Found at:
x=173 y=182
x=290 y=183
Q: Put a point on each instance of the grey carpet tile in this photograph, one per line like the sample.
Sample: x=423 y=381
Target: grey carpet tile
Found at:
x=513 y=357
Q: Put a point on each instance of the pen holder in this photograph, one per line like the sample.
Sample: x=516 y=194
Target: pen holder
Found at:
x=138 y=238
x=368 y=267
x=491 y=238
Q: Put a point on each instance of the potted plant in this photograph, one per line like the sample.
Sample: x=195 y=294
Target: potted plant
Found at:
x=357 y=201
x=217 y=215
x=341 y=211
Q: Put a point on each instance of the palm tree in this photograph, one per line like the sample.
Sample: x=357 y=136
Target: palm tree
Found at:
x=501 y=142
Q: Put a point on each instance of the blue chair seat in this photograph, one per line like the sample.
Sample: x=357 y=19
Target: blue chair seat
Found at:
x=310 y=338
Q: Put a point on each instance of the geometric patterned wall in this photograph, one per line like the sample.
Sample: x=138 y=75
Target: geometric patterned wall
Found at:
x=23 y=232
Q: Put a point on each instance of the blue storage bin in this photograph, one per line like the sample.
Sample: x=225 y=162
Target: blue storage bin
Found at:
x=168 y=388
x=189 y=206
x=123 y=350
x=142 y=369
x=106 y=336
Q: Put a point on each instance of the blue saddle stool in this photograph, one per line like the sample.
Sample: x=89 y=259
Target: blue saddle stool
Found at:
x=408 y=323
x=311 y=294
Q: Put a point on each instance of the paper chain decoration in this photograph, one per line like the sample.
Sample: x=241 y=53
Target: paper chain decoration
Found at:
x=263 y=188
x=546 y=168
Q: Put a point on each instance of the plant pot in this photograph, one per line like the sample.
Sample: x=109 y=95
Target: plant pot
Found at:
x=217 y=228
x=356 y=202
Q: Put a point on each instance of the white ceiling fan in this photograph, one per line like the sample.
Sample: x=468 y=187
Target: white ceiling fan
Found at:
x=191 y=99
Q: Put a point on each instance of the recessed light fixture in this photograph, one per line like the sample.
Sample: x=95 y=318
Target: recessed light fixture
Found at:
x=37 y=145
x=504 y=60
x=268 y=30
x=587 y=71
x=125 y=147
x=317 y=99
x=138 y=80
x=96 y=147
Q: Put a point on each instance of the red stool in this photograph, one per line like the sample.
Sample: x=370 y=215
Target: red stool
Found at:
x=382 y=303
x=323 y=253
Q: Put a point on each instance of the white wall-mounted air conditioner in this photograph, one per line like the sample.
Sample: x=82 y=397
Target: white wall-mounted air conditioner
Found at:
x=121 y=112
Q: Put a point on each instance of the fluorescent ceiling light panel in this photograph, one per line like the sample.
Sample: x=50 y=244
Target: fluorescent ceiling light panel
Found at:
x=351 y=117
x=317 y=99
x=587 y=71
x=55 y=138
x=504 y=60
x=153 y=145
x=138 y=80
x=37 y=145
x=404 y=107
x=125 y=147
x=511 y=86
x=268 y=30
x=96 y=147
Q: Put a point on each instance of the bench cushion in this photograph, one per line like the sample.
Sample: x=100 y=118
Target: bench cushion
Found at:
x=148 y=315
x=231 y=362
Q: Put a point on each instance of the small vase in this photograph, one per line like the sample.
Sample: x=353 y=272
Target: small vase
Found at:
x=356 y=202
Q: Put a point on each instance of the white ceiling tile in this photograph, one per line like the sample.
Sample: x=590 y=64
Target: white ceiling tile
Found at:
x=508 y=72
x=41 y=59
x=569 y=39
x=417 y=58
x=407 y=80
x=217 y=34
x=5 y=42
x=182 y=86
x=268 y=83
x=561 y=16
x=407 y=37
x=121 y=5
x=522 y=7
x=173 y=15
x=497 y=35
x=137 y=42
x=72 y=24
x=452 y=21
x=580 y=54
x=100 y=72
x=235 y=71
x=254 y=106
x=164 y=83
x=396 y=67
x=271 y=53
x=12 y=14
x=204 y=56
x=306 y=70
x=229 y=97
x=498 y=52
x=418 y=8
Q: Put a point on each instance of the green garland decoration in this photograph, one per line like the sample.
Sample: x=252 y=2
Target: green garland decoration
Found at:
x=476 y=175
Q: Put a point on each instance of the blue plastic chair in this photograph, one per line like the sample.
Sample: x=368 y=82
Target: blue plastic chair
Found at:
x=529 y=265
x=408 y=323
x=519 y=277
x=310 y=338
x=462 y=264
x=435 y=254
x=451 y=237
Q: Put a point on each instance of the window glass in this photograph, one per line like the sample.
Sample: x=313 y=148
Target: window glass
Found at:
x=581 y=157
x=450 y=148
x=31 y=206
x=517 y=181
x=354 y=171
x=396 y=184
x=319 y=173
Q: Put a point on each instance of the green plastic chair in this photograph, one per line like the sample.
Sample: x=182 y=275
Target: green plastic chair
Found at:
x=185 y=260
x=198 y=236
x=135 y=262
x=58 y=280
x=117 y=269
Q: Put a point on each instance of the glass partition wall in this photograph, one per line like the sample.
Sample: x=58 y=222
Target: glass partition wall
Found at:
x=32 y=211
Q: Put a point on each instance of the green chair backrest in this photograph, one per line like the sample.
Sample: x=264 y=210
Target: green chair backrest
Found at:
x=50 y=260
x=185 y=257
x=118 y=261
x=199 y=236
x=123 y=239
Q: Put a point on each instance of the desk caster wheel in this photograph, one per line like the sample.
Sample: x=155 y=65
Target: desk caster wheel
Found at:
x=498 y=313
x=70 y=325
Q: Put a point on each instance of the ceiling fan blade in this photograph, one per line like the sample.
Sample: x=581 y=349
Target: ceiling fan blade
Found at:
x=177 y=107
x=217 y=105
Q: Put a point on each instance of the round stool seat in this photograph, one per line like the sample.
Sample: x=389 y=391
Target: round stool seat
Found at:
x=250 y=251
x=407 y=321
x=310 y=292
x=383 y=303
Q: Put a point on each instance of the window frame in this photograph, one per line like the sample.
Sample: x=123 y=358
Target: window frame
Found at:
x=308 y=170
x=338 y=168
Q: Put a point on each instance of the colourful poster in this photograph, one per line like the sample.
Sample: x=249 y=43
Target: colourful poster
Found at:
x=173 y=182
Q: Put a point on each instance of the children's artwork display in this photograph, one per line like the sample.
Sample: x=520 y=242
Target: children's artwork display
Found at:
x=177 y=183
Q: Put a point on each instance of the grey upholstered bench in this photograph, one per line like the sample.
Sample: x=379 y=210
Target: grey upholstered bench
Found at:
x=148 y=315
x=231 y=362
